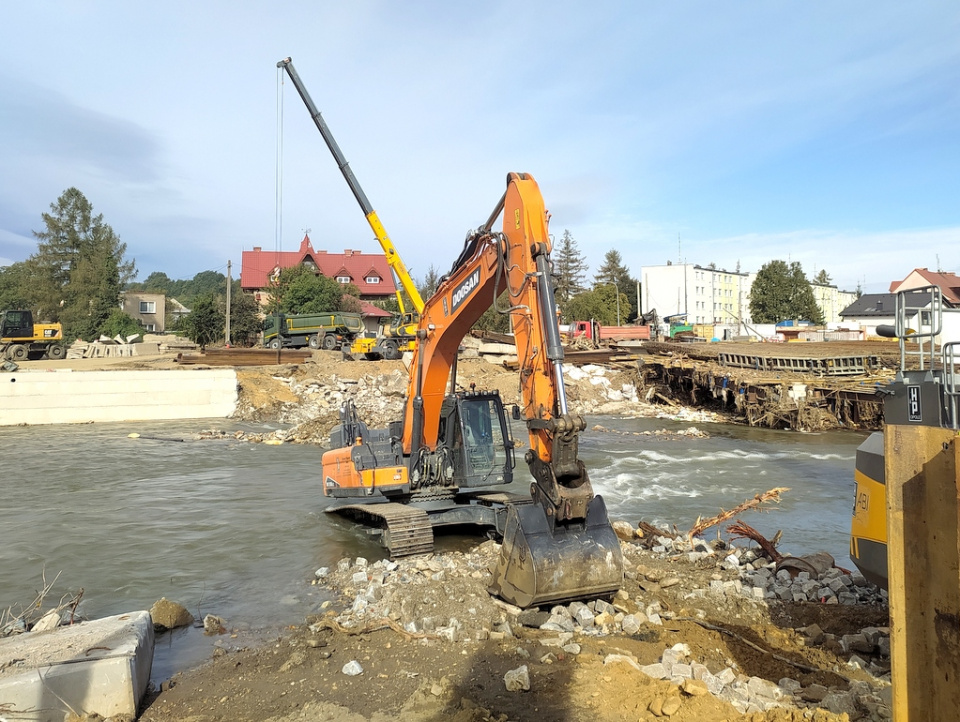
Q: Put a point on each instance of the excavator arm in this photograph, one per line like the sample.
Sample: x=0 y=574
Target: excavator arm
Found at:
x=562 y=546
x=517 y=261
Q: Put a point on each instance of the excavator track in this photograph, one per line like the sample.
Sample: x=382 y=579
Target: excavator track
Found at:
x=406 y=530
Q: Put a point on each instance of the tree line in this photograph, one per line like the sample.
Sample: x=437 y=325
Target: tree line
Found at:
x=81 y=266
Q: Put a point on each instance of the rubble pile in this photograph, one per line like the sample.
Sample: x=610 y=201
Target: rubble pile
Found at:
x=760 y=578
x=116 y=347
x=442 y=598
x=755 y=694
x=309 y=396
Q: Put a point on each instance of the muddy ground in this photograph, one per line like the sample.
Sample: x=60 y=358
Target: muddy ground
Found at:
x=419 y=672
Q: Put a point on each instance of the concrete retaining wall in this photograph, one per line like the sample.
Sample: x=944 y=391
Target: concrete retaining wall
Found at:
x=72 y=397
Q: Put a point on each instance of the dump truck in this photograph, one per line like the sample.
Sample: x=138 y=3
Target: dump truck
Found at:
x=597 y=334
x=328 y=330
x=22 y=339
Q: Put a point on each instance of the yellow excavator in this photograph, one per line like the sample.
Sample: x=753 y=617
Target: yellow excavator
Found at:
x=442 y=462
x=22 y=339
x=397 y=336
x=925 y=392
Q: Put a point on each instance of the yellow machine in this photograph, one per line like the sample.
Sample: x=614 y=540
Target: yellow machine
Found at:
x=397 y=336
x=923 y=393
x=437 y=465
x=21 y=338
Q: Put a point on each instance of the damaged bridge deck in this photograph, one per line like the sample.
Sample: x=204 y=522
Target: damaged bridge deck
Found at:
x=801 y=386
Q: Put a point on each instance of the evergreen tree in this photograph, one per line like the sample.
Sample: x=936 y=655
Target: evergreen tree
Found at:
x=614 y=272
x=569 y=269
x=91 y=295
x=79 y=268
x=428 y=286
x=781 y=292
x=822 y=278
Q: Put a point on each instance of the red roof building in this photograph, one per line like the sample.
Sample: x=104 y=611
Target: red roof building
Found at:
x=948 y=283
x=369 y=272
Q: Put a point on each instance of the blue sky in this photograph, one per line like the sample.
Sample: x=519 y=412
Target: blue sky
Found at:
x=824 y=133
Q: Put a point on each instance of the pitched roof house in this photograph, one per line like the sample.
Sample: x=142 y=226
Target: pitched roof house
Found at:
x=369 y=272
x=949 y=284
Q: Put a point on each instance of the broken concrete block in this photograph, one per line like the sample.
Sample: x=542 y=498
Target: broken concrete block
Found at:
x=102 y=667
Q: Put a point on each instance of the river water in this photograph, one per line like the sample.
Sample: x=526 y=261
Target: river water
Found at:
x=237 y=529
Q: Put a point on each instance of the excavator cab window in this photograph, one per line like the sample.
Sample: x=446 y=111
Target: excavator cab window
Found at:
x=487 y=456
x=16 y=324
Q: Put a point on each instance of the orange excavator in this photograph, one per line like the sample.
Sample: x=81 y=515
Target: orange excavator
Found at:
x=440 y=464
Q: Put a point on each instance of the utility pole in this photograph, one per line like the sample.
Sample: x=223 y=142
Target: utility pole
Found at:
x=229 y=283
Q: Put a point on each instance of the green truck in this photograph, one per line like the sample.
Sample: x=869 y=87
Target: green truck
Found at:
x=328 y=330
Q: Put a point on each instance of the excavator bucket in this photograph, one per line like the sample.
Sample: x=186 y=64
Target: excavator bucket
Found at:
x=541 y=566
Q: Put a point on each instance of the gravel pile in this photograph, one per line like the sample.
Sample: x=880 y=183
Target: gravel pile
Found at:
x=444 y=597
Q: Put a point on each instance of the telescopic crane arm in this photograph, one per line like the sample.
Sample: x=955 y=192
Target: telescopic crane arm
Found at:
x=393 y=258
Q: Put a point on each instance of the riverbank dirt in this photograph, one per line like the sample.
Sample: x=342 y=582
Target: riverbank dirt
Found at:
x=421 y=639
x=692 y=634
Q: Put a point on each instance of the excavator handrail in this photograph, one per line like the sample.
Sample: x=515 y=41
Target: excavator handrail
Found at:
x=396 y=263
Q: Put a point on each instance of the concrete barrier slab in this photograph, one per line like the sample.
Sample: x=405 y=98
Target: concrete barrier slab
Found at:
x=101 y=666
x=76 y=397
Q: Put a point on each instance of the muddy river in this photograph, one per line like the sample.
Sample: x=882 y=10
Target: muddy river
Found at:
x=237 y=529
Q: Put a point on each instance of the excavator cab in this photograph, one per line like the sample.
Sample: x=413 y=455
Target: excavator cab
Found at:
x=474 y=430
x=16 y=324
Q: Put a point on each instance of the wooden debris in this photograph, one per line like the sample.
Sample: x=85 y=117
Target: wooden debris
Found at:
x=754 y=504
x=649 y=530
x=739 y=530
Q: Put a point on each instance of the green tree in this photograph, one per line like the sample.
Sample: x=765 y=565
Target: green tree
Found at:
x=205 y=322
x=92 y=294
x=599 y=305
x=494 y=320
x=569 y=269
x=120 y=324
x=156 y=282
x=245 y=320
x=781 y=292
x=13 y=293
x=79 y=267
x=300 y=290
x=822 y=278
x=614 y=272
x=72 y=236
x=428 y=286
